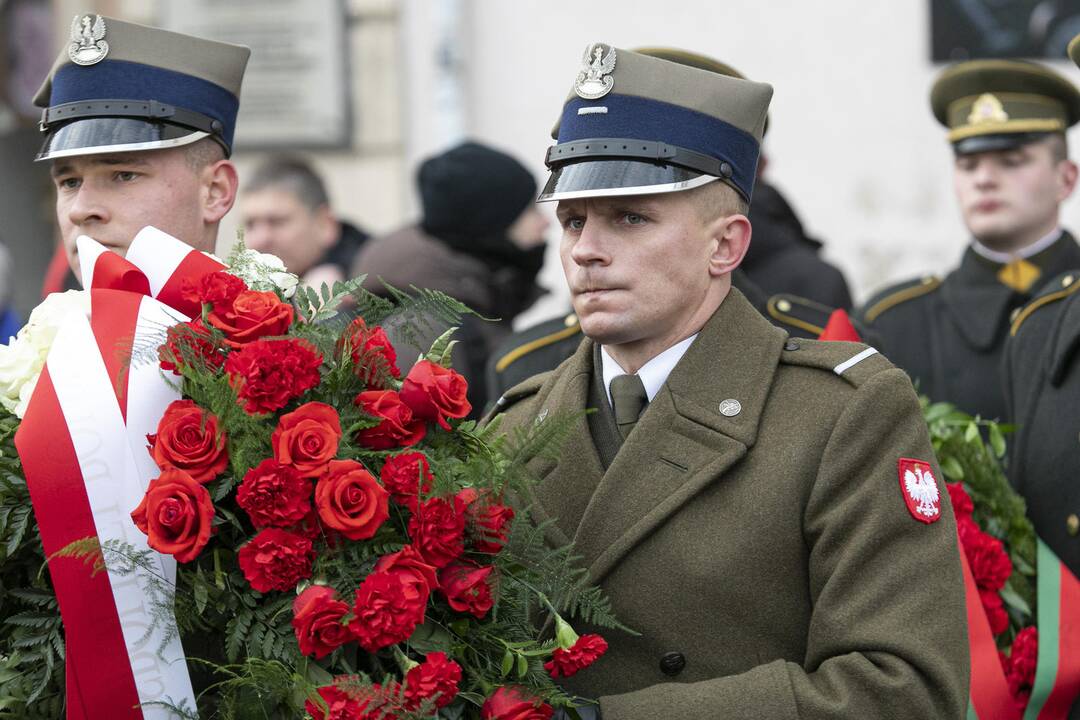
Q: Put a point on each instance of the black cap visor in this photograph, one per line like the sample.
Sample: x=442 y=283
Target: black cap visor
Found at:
x=97 y=135
x=601 y=178
x=995 y=142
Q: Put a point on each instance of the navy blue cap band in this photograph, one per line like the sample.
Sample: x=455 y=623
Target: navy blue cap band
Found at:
x=638 y=118
x=121 y=79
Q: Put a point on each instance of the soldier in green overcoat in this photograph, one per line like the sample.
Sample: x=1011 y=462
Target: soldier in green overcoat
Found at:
x=765 y=511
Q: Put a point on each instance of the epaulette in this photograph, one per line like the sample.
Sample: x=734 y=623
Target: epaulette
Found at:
x=1059 y=288
x=854 y=362
x=898 y=294
x=549 y=333
x=521 y=391
x=799 y=312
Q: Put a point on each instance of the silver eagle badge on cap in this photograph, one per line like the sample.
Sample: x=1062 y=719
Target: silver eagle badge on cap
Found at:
x=88 y=44
x=595 y=81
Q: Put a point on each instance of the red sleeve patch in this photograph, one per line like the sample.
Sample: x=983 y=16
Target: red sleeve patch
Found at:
x=920 y=489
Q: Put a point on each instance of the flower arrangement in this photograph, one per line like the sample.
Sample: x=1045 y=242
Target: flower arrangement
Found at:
x=345 y=540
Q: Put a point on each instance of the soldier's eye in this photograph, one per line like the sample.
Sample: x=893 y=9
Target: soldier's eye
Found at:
x=125 y=175
x=575 y=224
x=68 y=183
x=633 y=219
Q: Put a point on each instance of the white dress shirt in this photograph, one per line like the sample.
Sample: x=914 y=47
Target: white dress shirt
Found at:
x=653 y=374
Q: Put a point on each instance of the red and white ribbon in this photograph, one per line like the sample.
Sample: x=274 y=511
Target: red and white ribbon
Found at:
x=82 y=442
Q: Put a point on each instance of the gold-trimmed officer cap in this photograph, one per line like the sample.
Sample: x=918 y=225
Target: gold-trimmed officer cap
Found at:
x=120 y=87
x=634 y=124
x=1002 y=104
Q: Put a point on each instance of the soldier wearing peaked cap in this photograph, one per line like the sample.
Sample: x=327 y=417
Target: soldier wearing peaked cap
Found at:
x=764 y=511
x=138 y=125
x=1006 y=121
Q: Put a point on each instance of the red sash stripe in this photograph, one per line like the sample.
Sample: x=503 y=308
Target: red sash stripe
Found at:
x=194 y=265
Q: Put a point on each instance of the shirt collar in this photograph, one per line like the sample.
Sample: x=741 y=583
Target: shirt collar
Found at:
x=1023 y=253
x=653 y=374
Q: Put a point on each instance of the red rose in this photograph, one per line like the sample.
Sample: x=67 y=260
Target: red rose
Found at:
x=435 y=393
x=436 y=679
x=491 y=525
x=249 y=316
x=419 y=578
x=274 y=495
x=189 y=344
x=515 y=703
x=990 y=564
x=407 y=477
x=1020 y=665
x=371 y=703
x=437 y=529
x=961 y=502
x=215 y=287
x=276 y=560
x=317 y=615
x=385 y=612
x=176 y=515
x=467 y=588
x=189 y=439
x=350 y=500
x=307 y=438
x=372 y=354
x=995 y=611
x=267 y=374
x=584 y=653
x=398 y=427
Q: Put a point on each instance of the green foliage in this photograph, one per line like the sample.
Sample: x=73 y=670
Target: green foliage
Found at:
x=969 y=451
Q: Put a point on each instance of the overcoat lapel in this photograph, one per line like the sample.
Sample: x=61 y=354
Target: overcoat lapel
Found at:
x=682 y=443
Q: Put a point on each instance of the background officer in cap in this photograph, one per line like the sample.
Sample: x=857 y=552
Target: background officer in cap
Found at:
x=1042 y=386
x=783 y=260
x=1007 y=122
x=138 y=125
x=737 y=492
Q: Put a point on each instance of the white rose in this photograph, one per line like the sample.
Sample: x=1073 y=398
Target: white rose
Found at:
x=22 y=359
x=262 y=271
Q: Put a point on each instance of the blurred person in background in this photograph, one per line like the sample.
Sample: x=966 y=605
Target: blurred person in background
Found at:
x=480 y=240
x=1006 y=120
x=286 y=212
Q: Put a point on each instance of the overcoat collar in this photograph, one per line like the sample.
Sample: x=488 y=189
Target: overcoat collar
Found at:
x=980 y=304
x=1065 y=346
x=681 y=444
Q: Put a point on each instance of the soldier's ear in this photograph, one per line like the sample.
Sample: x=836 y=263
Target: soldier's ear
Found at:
x=220 y=185
x=730 y=241
x=1068 y=177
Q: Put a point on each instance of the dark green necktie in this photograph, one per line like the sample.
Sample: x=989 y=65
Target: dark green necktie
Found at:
x=628 y=399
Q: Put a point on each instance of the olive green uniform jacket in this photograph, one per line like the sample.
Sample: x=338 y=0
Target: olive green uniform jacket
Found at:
x=768 y=558
x=1042 y=377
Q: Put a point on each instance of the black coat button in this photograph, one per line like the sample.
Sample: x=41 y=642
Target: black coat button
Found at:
x=672 y=663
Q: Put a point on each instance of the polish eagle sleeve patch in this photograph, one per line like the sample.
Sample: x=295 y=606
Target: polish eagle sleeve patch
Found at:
x=920 y=489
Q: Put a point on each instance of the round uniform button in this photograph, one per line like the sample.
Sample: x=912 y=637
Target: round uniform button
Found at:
x=725 y=169
x=672 y=663
x=1072 y=525
x=791 y=345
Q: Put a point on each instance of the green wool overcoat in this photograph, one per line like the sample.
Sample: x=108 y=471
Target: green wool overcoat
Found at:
x=768 y=558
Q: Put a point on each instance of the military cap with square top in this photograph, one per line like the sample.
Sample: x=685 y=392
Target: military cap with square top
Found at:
x=120 y=87
x=1002 y=104
x=634 y=124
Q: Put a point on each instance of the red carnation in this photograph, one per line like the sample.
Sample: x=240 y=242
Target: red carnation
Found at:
x=398 y=427
x=1020 y=665
x=372 y=354
x=276 y=560
x=385 y=610
x=584 y=653
x=990 y=564
x=436 y=679
x=317 y=615
x=435 y=393
x=215 y=287
x=491 y=525
x=267 y=374
x=176 y=515
x=515 y=703
x=189 y=439
x=995 y=611
x=467 y=588
x=437 y=529
x=307 y=438
x=407 y=476
x=350 y=500
x=250 y=315
x=275 y=495
x=187 y=344
x=371 y=703
x=418 y=577
x=961 y=502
